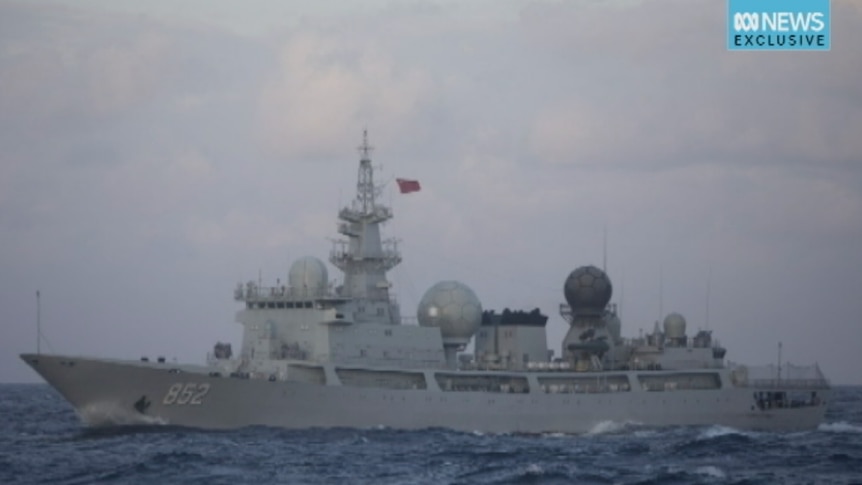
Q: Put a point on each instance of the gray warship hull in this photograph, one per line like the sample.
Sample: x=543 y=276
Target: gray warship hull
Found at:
x=113 y=392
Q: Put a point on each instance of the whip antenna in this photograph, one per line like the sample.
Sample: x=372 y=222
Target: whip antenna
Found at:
x=38 y=323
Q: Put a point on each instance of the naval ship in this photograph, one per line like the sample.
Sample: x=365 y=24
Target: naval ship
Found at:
x=321 y=353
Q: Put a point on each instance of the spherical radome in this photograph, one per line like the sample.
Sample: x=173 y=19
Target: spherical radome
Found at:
x=454 y=308
x=674 y=325
x=587 y=290
x=307 y=274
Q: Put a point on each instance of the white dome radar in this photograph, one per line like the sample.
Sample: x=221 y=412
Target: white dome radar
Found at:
x=674 y=326
x=454 y=308
x=307 y=276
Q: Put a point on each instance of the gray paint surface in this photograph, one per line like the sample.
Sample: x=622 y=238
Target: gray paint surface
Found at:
x=105 y=392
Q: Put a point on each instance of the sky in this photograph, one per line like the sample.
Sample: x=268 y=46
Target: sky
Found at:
x=155 y=154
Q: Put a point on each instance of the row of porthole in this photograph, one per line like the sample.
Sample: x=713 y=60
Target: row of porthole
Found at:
x=533 y=401
x=490 y=401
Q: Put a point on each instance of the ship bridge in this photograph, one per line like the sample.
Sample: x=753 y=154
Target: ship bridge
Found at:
x=282 y=296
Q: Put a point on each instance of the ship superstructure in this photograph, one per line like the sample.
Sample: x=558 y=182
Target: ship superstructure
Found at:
x=317 y=353
x=312 y=319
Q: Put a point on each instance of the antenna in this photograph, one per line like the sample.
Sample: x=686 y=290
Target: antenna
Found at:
x=38 y=323
x=660 y=293
x=622 y=294
x=365 y=149
x=708 y=287
x=605 y=249
x=365 y=189
x=779 y=361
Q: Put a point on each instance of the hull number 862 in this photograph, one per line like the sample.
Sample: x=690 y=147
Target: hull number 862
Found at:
x=186 y=393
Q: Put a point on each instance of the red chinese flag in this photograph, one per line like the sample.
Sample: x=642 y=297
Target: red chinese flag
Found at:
x=406 y=186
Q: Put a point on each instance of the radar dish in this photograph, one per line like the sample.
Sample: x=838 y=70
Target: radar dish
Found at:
x=307 y=276
x=587 y=290
x=454 y=308
x=674 y=325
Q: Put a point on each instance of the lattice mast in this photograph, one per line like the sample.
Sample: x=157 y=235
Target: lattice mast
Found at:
x=364 y=257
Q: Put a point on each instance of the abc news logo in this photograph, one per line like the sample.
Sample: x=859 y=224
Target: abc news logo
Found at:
x=779 y=21
x=790 y=25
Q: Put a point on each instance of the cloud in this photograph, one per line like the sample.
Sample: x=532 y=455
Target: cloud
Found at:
x=327 y=87
x=664 y=92
x=74 y=69
x=149 y=165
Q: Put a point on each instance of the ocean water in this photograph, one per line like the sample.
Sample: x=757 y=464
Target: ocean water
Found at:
x=42 y=441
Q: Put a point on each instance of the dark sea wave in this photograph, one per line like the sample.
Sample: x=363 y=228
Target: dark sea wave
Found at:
x=42 y=441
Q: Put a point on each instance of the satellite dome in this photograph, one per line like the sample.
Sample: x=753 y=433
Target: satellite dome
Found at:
x=454 y=308
x=588 y=290
x=674 y=325
x=307 y=275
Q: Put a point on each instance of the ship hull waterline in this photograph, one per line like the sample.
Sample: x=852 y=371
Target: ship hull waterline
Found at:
x=109 y=393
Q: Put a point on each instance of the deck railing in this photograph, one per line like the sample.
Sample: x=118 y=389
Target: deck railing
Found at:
x=787 y=383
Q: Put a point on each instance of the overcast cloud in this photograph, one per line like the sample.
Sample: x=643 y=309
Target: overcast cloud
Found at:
x=153 y=156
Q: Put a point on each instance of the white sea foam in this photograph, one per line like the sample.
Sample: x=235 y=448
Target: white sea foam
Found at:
x=105 y=413
x=840 y=427
x=717 y=430
x=710 y=471
x=534 y=469
x=604 y=427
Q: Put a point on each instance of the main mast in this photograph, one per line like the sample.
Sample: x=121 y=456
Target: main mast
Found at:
x=363 y=256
